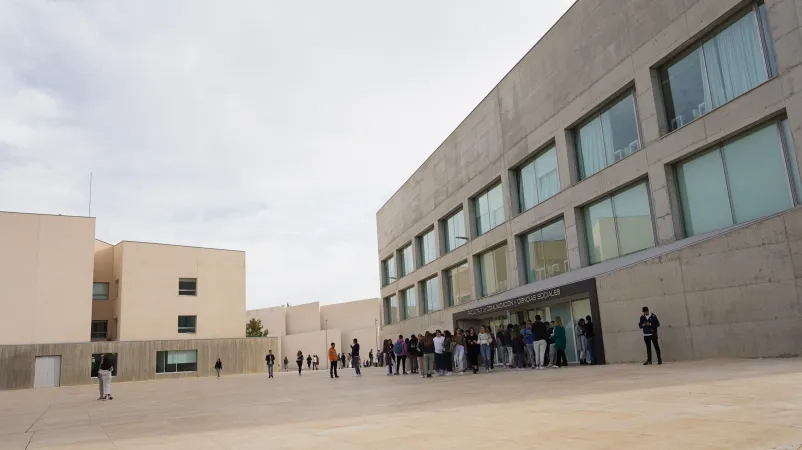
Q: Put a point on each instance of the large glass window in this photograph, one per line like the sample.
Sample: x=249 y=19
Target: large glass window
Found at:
x=410 y=303
x=391 y=309
x=177 y=361
x=388 y=271
x=719 y=68
x=489 y=210
x=545 y=252
x=493 y=270
x=744 y=179
x=619 y=224
x=405 y=263
x=608 y=137
x=459 y=285
x=100 y=291
x=431 y=295
x=538 y=180
x=455 y=231
x=427 y=248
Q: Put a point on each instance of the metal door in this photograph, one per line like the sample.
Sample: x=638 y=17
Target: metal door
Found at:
x=47 y=371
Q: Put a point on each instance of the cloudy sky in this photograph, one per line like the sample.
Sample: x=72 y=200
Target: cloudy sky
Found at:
x=274 y=127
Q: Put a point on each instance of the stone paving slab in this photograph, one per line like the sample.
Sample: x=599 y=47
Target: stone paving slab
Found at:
x=716 y=404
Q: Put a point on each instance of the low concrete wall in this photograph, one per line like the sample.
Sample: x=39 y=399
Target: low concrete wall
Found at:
x=136 y=360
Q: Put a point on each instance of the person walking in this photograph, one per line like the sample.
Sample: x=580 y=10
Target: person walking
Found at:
x=649 y=324
x=316 y=362
x=582 y=340
x=540 y=334
x=355 y=358
x=286 y=364
x=218 y=366
x=518 y=347
x=370 y=358
x=448 y=352
x=104 y=373
x=472 y=342
x=428 y=355
x=389 y=356
x=270 y=359
x=400 y=354
x=459 y=350
x=508 y=345
x=559 y=343
x=333 y=361
x=590 y=335
x=529 y=340
x=309 y=362
x=413 y=353
x=484 y=347
x=300 y=360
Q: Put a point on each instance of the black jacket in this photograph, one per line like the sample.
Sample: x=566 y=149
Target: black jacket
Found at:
x=650 y=325
x=412 y=347
x=501 y=339
x=589 y=332
x=539 y=331
x=270 y=359
x=355 y=350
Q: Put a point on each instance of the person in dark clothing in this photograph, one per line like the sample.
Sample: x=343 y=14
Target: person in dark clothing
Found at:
x=649 y=324
x=286 y=364
x=518 y=346
x=551 y=352
x=218 y=366
x=270 y=359
x=105 y=373
x=414 y=353
x=589 y=335
x=508 y=344
x=428 y=355
x=501 y=347
x=309 y=362
x=342 y=360
x=370 y=358
x=299 y=359
x=355 y=356
x=540 y=334
x=472 y=342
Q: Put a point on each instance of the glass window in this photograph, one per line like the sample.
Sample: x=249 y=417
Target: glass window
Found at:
x=459 y=285
x=388 y=271
x=455 y=231
x=187 y=286
x=186 y=324
x=720 y=68
x=431 y=295
x=788 y=142
x=410 y=303
x=100 y=329
x=405 y=263
x=96 y=364
x=177 y=361
x=538 y=180
x=489 y=210
x=100 y=291
x=609 y=137
x=391 y=309
x=428 y=250
x=545 y=252
x=619 y=225
x=493 y=269
x=742 y=180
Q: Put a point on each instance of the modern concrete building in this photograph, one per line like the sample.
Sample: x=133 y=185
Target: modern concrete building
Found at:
x=641 y=154
x=159 y=310
x=312 y=327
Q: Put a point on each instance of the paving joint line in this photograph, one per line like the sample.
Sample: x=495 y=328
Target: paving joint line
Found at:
x=39 y=418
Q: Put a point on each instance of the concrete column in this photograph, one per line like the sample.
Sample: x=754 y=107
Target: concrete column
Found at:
x=664 y=202
x=510 y=210
x=470 y=218
x=566 y=159
x=476 y=277
x=513 y=275
x=575 y=240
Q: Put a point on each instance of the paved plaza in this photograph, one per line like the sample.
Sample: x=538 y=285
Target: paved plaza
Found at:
x=741 y=404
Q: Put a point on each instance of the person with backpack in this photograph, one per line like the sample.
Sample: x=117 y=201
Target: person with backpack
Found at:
x=400 y=354
x=413 y=352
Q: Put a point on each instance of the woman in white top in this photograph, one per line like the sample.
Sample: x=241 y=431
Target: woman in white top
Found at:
x=484 y=346
x=438 y=353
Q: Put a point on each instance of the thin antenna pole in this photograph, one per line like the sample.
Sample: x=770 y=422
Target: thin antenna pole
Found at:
x=90 y=194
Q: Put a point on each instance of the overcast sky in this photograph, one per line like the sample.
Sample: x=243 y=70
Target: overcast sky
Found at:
x=275 y=127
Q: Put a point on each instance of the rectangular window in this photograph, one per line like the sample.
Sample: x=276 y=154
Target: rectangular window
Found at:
x=427 y=248
x=459 y=285
x=619 y=224
x=431 y=295
x=489 y=210
x=493 y=269
x=410 y=303
x=719 y=68
x=545 y=253
x=607 y=137
x=96 y=364
x=538 y=180
x=177 y=361
x=388 y=271
x=455 y=231
x=100 y=329
x=187 y=286
x=405 y=263
x=741 y=180
x=100 y=291
x=186 y=324
x=391 y=310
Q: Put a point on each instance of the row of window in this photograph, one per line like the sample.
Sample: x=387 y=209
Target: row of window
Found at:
x=167 y=361
x=748 y=177
x=186 y=286
x=733 y=59
x=186 y=324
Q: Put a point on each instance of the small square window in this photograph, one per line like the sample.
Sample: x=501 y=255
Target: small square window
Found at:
x=100 y=329
x=100 y=291
x=186 y=324
x=188 y=286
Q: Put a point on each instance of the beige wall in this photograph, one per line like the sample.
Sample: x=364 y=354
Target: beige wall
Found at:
x=350 y=315
x=311 y=343
x=366 y=338
x=45 y=278
x=303 y=318
x=274 y=319
x=149 y=300
x=104 y=273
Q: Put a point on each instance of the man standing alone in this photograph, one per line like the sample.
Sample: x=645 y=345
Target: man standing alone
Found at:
x=270 y=359
x=355 y=358
x=649 y=324
x=333 y=361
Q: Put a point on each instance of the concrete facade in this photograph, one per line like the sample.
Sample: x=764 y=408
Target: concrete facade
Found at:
x=598 y=50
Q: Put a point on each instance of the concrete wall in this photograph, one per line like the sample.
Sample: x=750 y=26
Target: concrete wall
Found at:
x=45 y=278
x=310 y=343
x=365 y=336
x=104 y=273
x=136 y=361
x=350 y=315
x=273 y=319
x=303 y=318
x=149 y=300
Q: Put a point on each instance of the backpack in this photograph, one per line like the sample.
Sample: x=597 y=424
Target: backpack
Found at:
x=412 y=348
x=399 y=348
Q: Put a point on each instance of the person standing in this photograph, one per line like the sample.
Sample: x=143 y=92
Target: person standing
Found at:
x=472 y=342
x=355 y=358
x=218 y=366
x=286 y=364
x=559 y=343
x=484 y=347
x=333 y=361
x=501 y=347
x=413 y=353
x=508 y=344
x=540 y=334
x=518 y=347
x=100 y=378
x=106 y=369
x=388 y=355
x=370 y=358
x=448 y=352
x=342 y=360
x=428 y=355
x=459 y=350
x=270 y=359
x=439 y=339
x=529 y=340
x=300 y=360
x=590 y=335
x=582 y=340
x=400 y=354
x=649 y=324
x=552 y=352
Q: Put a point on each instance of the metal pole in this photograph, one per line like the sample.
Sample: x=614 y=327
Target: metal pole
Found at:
x=376 y=325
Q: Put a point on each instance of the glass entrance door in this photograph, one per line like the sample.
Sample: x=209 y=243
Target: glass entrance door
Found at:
x=563 y=311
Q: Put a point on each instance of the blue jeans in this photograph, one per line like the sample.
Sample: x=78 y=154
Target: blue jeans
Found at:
x=530 y=349
x=591 y=351
x=485 y=351
x=355 y=363
x=270 y=370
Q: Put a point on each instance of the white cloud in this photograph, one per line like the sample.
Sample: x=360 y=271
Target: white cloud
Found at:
x=275 y=127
